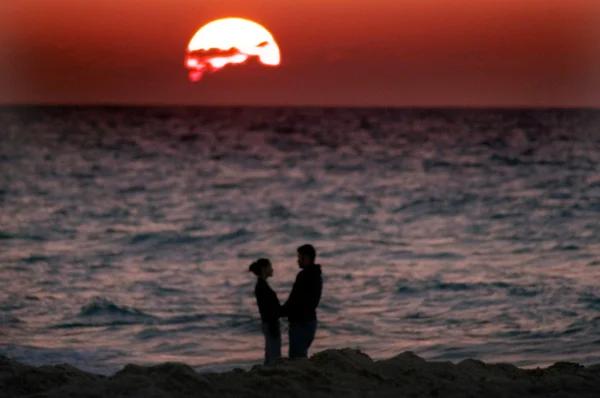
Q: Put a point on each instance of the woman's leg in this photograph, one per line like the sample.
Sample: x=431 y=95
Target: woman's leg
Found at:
x=275 y=341
x=272 y=333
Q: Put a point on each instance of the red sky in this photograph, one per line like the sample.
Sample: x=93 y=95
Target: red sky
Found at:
x=334 y=52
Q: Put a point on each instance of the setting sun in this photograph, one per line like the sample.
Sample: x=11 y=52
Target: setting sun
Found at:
x=229 y=41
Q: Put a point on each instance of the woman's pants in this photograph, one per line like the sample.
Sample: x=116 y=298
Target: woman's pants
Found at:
x=272 y=333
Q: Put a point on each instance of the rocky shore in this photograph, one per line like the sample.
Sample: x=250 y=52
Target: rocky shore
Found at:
x=342 y=373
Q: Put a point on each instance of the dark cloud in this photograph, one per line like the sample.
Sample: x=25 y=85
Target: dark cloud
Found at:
x=198 y=62
x=214 y=52
x=217 y=52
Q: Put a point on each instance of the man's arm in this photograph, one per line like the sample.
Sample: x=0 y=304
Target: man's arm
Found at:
x=314 y=291
x=293 y=298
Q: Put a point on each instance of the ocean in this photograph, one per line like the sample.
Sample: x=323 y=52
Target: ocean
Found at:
x=126 y=232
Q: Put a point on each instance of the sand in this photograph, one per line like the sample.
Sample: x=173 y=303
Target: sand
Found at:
x=345 y=373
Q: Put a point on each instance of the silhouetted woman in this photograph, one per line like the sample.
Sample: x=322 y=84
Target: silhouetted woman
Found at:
x=269 y=308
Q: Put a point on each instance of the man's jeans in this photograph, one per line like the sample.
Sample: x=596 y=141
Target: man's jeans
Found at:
x=301 y=335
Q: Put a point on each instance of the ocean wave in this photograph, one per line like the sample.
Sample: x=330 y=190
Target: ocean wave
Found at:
x=299 y=231
x=9 y=320
x=165 y=238
x=182 y=319
x=237 y=236
x=279 y=211
x=591 y=300
x=20 y=236
x=103 y=312
x=97 y=360
x=405 y=286
x=37 y=259
x=100 y=306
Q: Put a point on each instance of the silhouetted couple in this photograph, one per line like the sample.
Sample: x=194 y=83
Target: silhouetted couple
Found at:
x=300 y=308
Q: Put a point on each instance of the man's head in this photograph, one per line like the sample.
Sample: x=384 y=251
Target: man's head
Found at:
x=306 y=255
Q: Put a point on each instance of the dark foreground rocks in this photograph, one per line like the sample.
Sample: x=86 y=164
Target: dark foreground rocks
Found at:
x=333 y=373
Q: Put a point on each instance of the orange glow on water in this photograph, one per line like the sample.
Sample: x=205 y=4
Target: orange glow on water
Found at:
x=229 y=41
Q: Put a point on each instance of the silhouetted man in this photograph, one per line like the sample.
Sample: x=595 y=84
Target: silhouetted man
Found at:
x=301 y=306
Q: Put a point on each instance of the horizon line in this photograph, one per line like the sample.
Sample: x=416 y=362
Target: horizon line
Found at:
x=305 y=106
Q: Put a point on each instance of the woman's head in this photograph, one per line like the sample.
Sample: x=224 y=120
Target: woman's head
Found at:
x=261 y=268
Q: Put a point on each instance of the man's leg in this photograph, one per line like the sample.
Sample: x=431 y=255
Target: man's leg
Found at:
x=301 y=335
x=294 y=340
x=311 y=331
